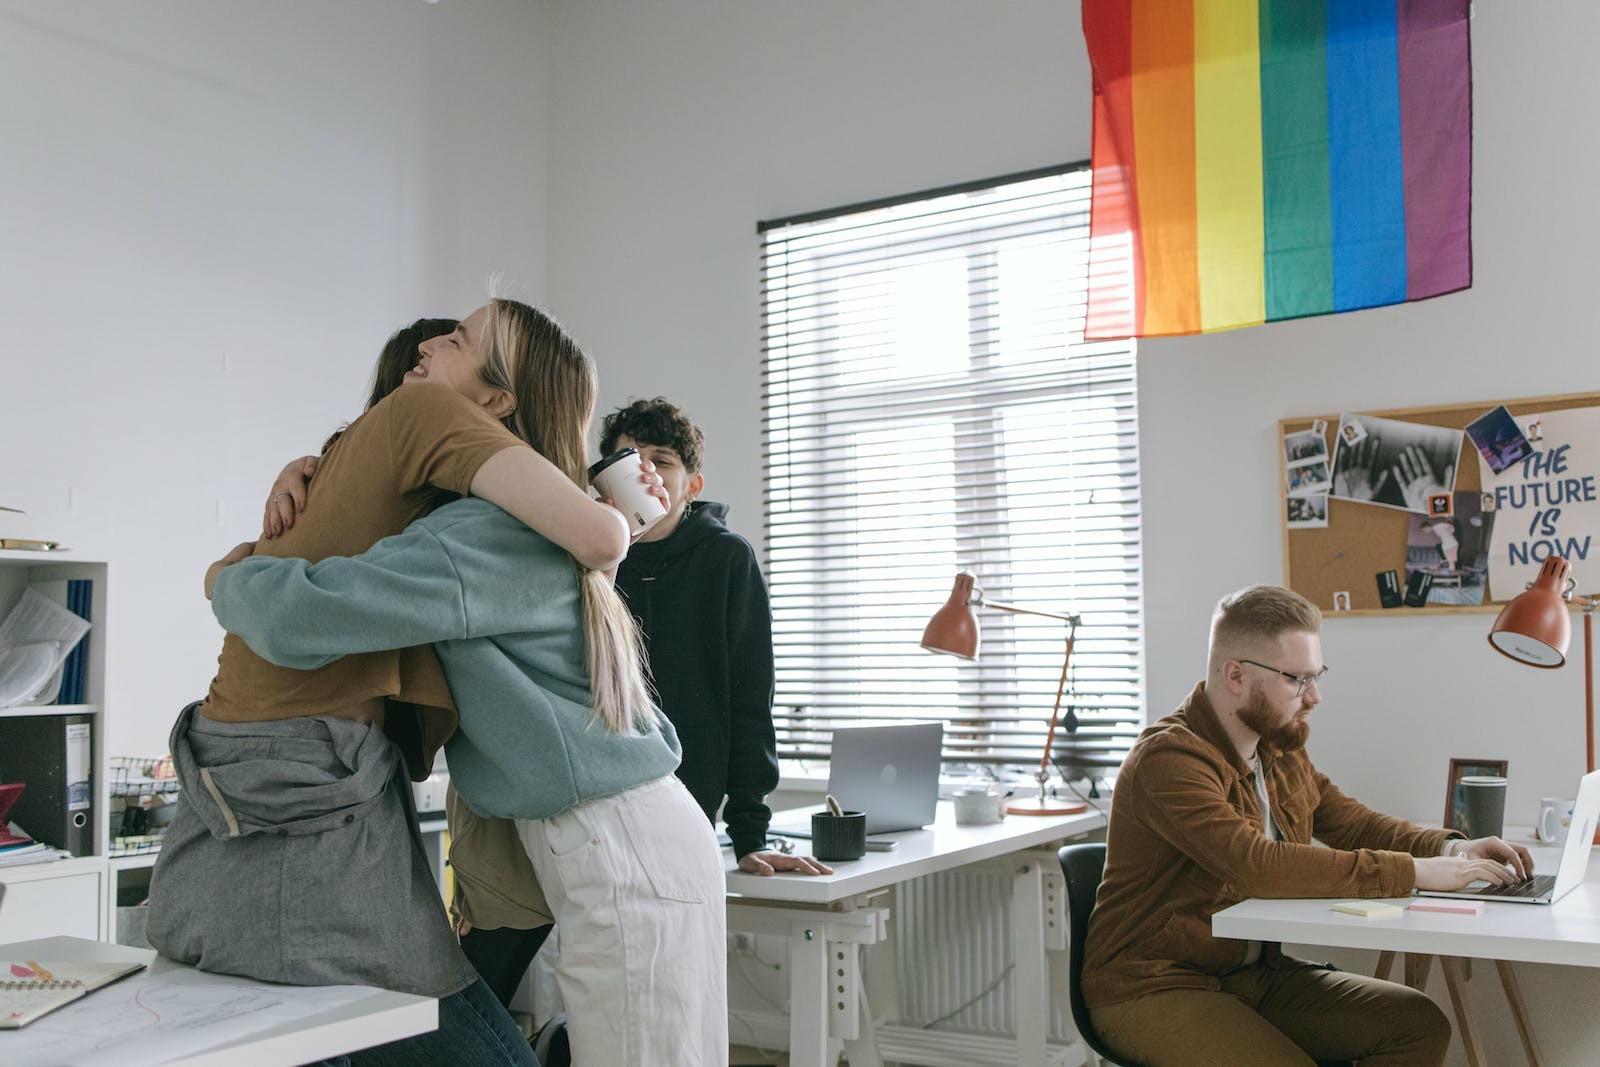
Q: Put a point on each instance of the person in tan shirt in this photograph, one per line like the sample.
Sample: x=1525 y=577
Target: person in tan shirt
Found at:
x=1219 y=802
x=294 y=855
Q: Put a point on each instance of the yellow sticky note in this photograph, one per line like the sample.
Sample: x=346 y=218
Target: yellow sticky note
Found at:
x=1369 y=909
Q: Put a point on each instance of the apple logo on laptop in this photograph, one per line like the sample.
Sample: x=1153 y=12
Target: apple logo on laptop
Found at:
x=888 y=774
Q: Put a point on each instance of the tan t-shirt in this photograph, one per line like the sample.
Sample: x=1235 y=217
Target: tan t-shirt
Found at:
x=394 y=464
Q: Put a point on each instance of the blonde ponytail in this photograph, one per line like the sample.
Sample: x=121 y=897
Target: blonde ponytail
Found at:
x=553 y=384
x=617 y=685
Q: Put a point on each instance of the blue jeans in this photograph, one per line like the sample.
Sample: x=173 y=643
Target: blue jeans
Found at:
x=474 y=1031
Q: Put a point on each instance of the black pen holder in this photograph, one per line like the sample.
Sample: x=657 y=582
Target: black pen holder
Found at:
x=839 y=837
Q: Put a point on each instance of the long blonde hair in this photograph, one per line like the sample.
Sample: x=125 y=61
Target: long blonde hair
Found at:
x=553 y=383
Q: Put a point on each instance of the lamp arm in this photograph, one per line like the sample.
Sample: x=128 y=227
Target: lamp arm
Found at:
x=1061 y=686
x=1588 y=684
x=1000 y=605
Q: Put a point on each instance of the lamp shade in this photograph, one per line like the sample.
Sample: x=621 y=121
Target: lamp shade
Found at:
x=1535 y=628
x=953 y=630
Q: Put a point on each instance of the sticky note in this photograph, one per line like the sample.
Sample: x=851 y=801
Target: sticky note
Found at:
x=1448 y=905
x=1369 y=909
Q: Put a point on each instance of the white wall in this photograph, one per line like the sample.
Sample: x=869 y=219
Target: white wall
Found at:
x=1404 y=695
x=679 y=124
x=213 y=215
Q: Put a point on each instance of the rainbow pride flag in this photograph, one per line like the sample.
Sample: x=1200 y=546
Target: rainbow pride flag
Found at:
x=1259 y=160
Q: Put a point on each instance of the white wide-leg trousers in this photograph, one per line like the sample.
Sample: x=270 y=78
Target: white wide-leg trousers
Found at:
x=635 y=883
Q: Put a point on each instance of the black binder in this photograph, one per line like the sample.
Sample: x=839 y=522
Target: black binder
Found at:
x=54 y=755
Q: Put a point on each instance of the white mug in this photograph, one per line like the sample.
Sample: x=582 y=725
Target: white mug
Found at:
x=1555 y=819
x=618 y=477
x=977 y=806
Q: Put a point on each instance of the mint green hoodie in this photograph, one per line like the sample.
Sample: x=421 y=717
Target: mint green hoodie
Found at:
x=502 y=607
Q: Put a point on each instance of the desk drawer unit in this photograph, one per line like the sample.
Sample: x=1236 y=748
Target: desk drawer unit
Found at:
x=46 y=900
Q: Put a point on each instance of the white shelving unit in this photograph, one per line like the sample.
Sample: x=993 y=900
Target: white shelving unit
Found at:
x=66 y=897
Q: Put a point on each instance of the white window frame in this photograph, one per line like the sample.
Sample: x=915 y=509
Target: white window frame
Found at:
x=890 y=391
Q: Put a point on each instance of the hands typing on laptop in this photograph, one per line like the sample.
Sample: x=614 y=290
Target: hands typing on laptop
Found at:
x=1507 y=869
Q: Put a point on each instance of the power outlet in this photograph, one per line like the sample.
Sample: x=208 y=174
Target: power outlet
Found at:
x=742 y=944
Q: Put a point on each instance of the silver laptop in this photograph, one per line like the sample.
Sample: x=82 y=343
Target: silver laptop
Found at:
x=1545 y=888
x=889 y=772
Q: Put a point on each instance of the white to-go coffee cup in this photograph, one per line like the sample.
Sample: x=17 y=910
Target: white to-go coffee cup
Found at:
x=619 y=476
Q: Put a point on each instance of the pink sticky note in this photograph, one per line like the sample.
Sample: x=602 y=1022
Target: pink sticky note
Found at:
x=1448 y=905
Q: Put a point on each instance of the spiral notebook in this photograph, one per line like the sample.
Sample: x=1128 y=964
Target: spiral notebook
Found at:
x=29 y=989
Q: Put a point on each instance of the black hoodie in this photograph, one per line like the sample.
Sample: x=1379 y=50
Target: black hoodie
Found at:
x=702 y=605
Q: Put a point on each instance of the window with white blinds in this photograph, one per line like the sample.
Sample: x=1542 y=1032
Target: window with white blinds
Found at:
x=930 y=406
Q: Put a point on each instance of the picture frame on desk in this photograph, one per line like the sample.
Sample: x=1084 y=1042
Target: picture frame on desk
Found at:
x=1461 y=767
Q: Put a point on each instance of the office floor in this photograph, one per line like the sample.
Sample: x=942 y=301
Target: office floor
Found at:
x=738 y=1055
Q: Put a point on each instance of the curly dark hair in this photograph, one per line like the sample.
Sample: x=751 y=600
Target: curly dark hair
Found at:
x=659 y=422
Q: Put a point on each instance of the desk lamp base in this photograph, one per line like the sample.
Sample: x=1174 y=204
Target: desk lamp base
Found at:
x=1042 y=805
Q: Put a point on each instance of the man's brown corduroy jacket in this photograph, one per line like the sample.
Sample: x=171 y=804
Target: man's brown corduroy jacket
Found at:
x=1186 y=841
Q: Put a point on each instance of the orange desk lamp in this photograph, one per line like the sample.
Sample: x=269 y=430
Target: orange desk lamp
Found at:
x=1535 y=628
x=953 y=631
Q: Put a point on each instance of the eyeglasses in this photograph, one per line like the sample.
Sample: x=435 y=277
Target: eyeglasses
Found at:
x=1300 y=680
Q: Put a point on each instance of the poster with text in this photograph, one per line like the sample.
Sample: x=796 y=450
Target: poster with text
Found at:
x=1547 y=504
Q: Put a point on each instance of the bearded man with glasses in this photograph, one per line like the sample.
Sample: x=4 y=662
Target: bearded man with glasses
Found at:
x=1219 y=802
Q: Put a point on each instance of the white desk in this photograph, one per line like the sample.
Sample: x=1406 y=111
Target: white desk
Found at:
x=1566 y=932
x=373 y=1019
x=828 y=919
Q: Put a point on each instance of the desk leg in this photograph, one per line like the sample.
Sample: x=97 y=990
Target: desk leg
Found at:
x=808 y=996
x=862 y=1051
x=1032 y=983
x=1385 y=963
x=1455 y=981
x=1519 y=1012
x=1417 y=967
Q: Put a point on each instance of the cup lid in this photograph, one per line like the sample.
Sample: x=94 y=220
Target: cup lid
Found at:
x=621 y=453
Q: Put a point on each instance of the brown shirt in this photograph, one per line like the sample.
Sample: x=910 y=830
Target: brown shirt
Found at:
x=1186 y=840
x=414 y=450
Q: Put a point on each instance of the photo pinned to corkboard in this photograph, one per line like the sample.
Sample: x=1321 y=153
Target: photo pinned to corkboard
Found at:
x=1377 y=533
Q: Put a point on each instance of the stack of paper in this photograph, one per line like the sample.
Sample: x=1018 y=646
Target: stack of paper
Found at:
x=1369 y=909
x=31 y=852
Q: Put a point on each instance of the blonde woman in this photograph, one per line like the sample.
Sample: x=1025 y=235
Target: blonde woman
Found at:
x=558 y=731
x=294 y=856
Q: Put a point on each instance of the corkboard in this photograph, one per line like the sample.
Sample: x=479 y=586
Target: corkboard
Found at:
x=1361 y=540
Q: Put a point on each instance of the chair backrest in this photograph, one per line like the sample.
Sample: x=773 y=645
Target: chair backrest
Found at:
x=1082 y=866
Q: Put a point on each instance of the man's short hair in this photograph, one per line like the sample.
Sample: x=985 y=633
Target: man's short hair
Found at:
x=1262 y=612
x=658 y=422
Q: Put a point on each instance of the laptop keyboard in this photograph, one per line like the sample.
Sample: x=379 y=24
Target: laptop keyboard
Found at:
x=1540 y=885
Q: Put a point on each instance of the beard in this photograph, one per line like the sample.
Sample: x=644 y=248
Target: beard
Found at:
x=1260 y=716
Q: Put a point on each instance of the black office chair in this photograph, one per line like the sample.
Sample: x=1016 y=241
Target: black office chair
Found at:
x=550 y=1045
x=1082 y=866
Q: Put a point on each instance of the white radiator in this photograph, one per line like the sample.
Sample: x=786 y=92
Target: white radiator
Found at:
x=953 y=947
x=949 y=998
